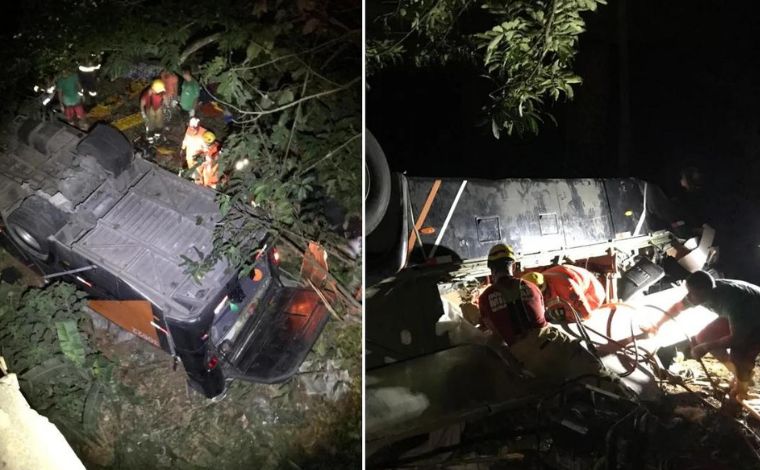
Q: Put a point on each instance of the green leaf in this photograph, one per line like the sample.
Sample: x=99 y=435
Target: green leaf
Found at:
x=285 y=97
x=253 y=51
x=265 y=102
x=47 y=371
x=214 y=68
x=232 y=89
x=224 y=205
x=495 y=128
x=70 y=341
x=92 y=406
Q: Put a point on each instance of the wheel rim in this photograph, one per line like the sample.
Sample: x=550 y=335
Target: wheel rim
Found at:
x=367 y=182
x=26 y=238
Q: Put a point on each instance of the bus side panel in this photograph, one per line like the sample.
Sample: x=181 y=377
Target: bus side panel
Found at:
x=135 y=316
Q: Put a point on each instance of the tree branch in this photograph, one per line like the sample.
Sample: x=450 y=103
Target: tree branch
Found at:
x=342 y=290
x=283 y=107
x=298 y=111
x=305 y=98
x=287 y=235
x=544 y=50
x=197 y=45
x=329 y=154
x=314 y=72
x=295 y=54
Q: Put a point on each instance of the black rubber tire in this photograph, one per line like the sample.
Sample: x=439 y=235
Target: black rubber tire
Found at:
x=378 y=183
x=30 y=225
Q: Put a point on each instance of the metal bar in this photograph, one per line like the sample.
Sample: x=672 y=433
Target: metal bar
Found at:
x=70 y=271
x=405 y=203
x=448 y=218
x=643 y=215
x=423 y=215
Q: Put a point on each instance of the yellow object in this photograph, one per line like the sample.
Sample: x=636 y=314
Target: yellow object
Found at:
x=217 y=107
x=136 y=87
x=501 y=251
x=209 y=137
x=165 y=150
x=158 y=86
x=128 y=122
x=534 y=277
x=99 y=112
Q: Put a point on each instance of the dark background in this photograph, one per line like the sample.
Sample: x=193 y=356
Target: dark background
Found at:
x=692 y=94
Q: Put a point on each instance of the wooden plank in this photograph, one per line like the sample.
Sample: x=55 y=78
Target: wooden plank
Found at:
x=128 y=122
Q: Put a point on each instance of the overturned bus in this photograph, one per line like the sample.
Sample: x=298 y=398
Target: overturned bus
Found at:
x=87 y=208
x=431 y=373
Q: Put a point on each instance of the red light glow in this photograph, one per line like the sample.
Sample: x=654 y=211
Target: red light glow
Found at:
x=275 y=256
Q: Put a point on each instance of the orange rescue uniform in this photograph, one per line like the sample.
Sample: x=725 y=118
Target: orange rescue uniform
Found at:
x=575 y=285
x=170 y=84
x=207 y=173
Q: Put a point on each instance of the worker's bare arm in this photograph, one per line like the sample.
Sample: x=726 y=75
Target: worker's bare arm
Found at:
x=671 y=313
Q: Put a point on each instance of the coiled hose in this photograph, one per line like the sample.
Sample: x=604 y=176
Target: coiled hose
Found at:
x=626 y=350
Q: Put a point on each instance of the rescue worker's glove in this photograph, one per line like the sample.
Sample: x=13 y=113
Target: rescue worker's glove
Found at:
x=555 y=315
x=651 y=330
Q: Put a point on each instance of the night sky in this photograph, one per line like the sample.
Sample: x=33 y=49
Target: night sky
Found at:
x=694 y=97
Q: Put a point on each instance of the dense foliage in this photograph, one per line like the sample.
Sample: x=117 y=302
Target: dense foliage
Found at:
x=526 y=48
x=289 y=73
x=45 y=335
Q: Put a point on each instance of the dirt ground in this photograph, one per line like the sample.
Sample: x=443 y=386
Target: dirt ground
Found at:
x=146 y=416
x=682 y=430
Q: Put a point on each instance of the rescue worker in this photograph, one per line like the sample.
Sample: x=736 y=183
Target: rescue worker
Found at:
x=69 y=89
x=191 y=90
x=151 y=107
x=207 y=173
x=513 y=309
x=88 y=76
x=737 y=328
x=210 y=144
x=170 y=85
x=567 y=284
x=193 y=144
